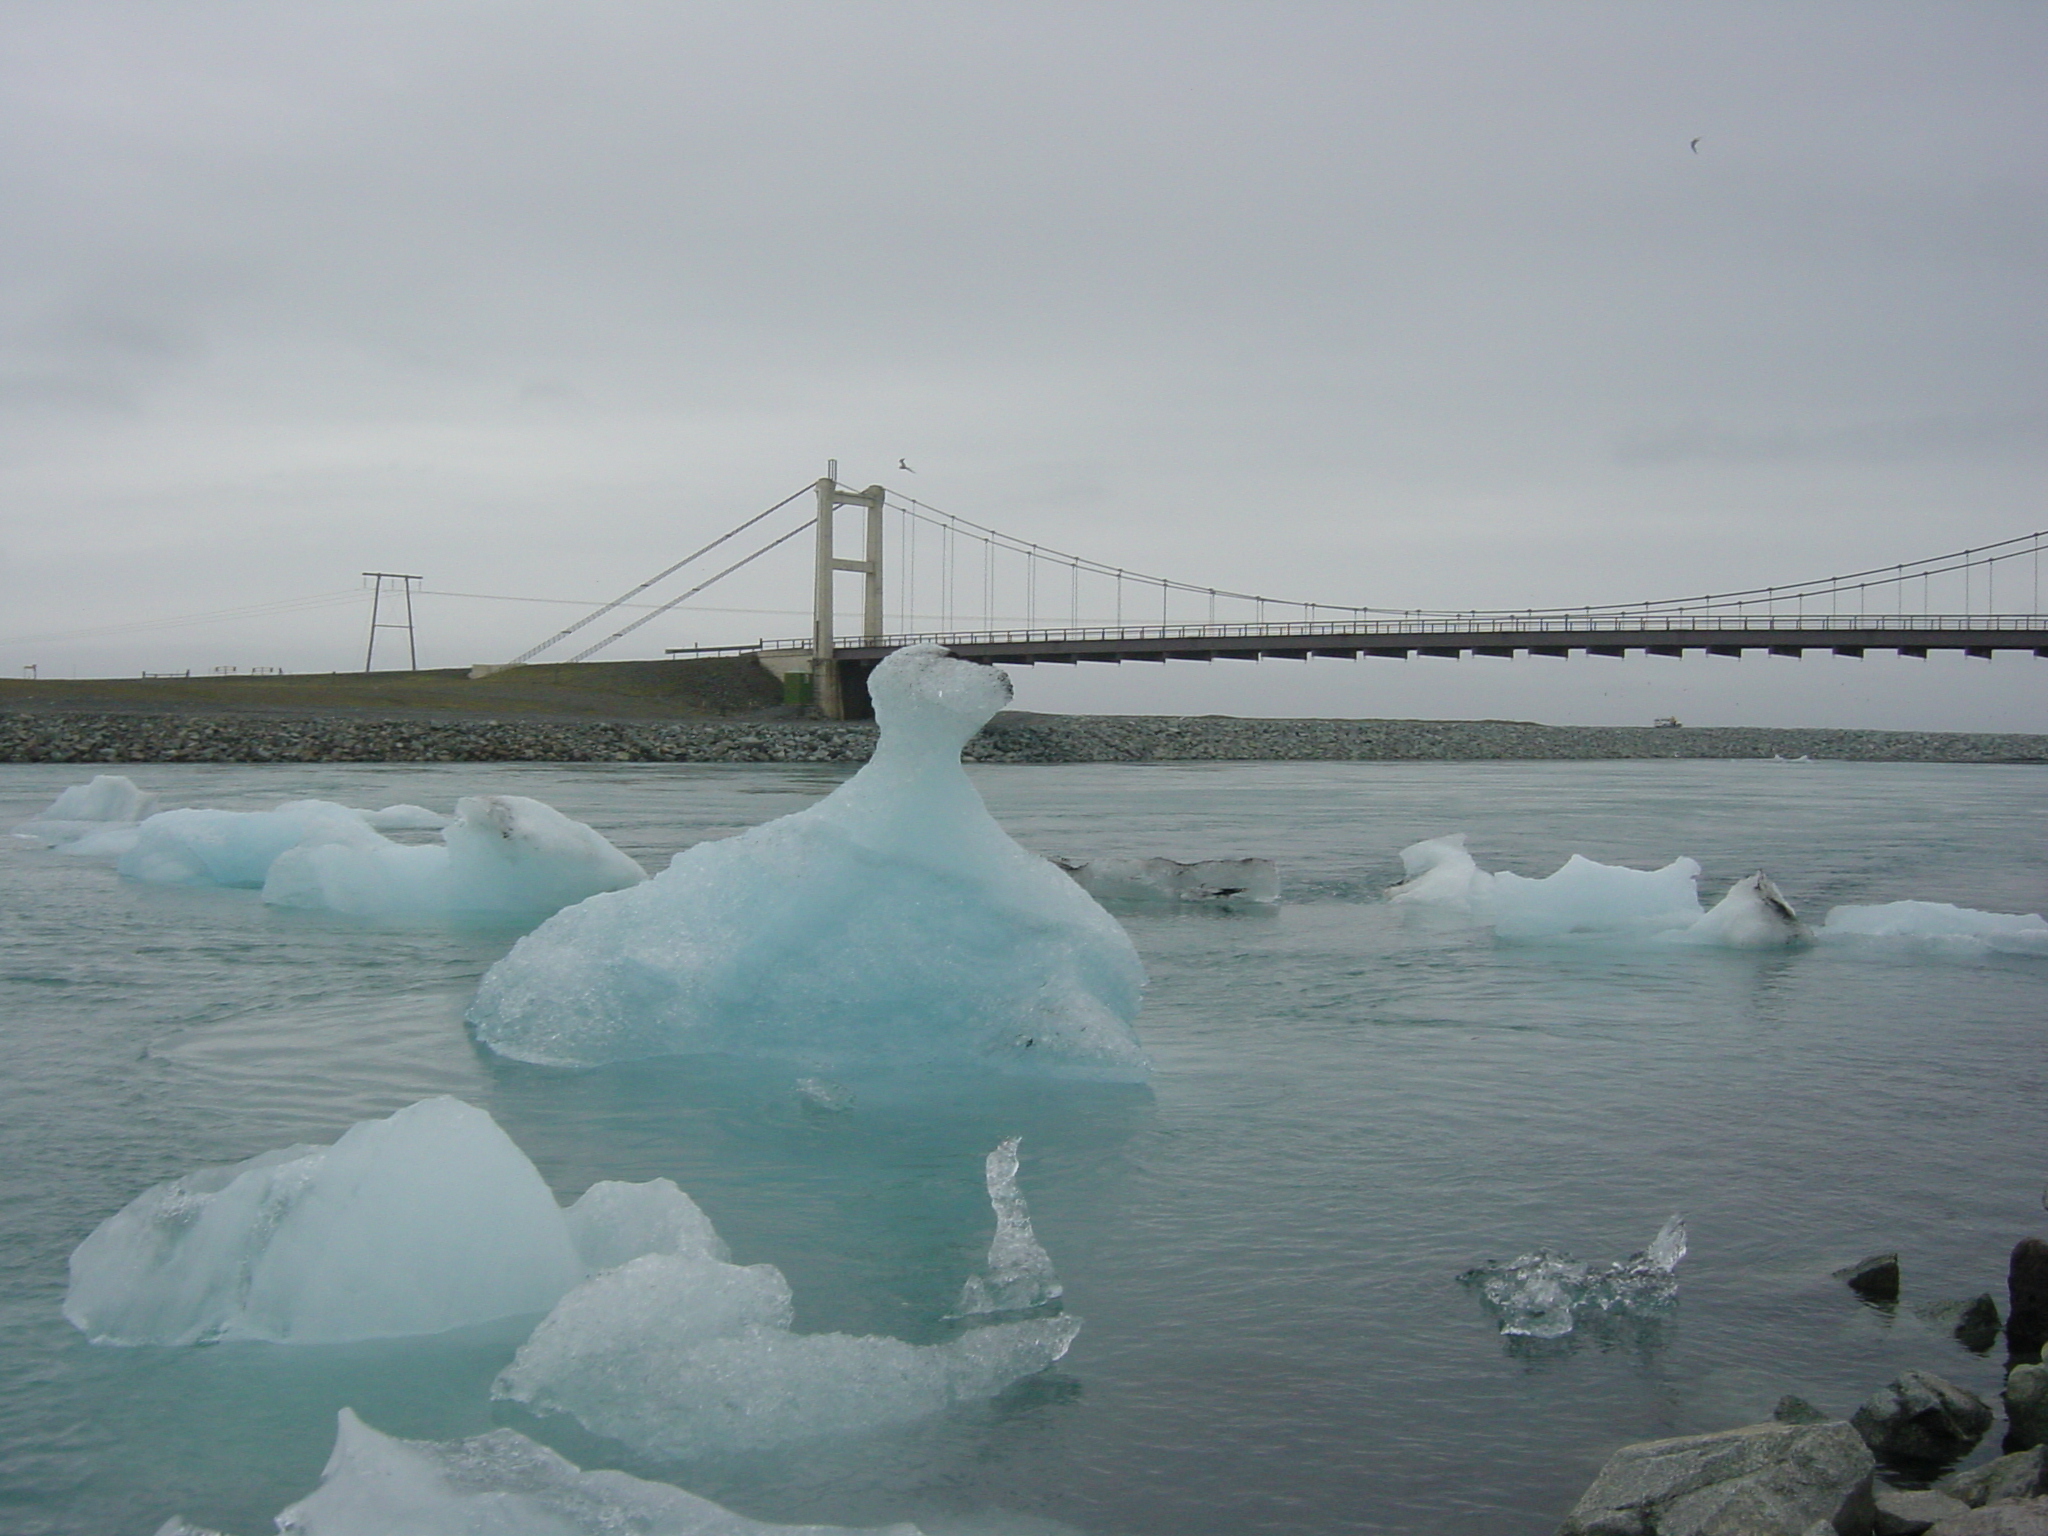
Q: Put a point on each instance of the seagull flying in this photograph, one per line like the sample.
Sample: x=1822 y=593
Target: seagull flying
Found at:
x=901 y=465
x=1695 y=146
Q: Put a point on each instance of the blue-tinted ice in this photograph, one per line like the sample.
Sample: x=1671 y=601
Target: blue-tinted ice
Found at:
x=891 y=923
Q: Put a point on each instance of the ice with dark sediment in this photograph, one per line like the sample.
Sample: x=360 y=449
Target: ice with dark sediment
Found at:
x=427 y=1220
x=1753 y=915
x=1170 y=880
x=1018 y=1275
x=893 y=923
x=500 y=1484
x=1545 y=1295
x=683 y=1353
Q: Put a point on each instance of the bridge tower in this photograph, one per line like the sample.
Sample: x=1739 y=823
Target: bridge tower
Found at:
x=829 y=685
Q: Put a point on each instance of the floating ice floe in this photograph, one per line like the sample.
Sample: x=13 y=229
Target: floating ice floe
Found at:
x=1211 y=880
x=428 y=1220
x=892 y=923
x=100 y=812
x=1585 y=897
x=499 y=1484
x=1019 y=1275
x=1939 y=927
x=1544 y=1295
x=502 y=856
x=681 y=1352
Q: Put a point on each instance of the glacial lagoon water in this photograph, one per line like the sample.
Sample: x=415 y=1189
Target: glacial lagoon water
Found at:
x=1351 y=1103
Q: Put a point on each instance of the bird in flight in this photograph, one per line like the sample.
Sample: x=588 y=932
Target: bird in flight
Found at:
x=1695 y=146
x=901 y=465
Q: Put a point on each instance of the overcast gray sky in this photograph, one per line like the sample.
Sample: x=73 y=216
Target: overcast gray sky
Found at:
x=1424 y=305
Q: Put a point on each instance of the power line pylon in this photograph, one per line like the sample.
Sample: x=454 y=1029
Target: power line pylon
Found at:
x=376 y=604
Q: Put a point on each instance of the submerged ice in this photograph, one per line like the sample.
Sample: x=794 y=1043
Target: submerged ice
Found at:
x=502 y=1484
x=1544 y=1295
x=1212 y=880
x=428 y=1220
x=892 y=922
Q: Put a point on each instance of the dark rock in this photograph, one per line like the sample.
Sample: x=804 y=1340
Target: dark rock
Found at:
x=2022 y=1475
x=1974 y=1323
x=1920 y=1418
x=2026 y=1406
x=1794 y=1409
x=1875 y=1278
x=2029 y=1518
x=1763 y=1480
x=2026 y=1318
x=1910 y=1511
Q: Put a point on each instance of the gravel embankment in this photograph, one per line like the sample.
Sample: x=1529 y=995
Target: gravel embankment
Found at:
x=1013 y=738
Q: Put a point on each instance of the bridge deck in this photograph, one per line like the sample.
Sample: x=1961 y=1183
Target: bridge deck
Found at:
x=1907 y=636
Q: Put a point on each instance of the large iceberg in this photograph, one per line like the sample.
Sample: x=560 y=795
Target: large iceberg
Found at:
x=428 y=1220
x=893 y=922
x=502 y=856
x=500 y=1484
x=107 y=805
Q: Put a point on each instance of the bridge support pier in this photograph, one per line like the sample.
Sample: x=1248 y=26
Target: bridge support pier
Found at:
x=839 y=691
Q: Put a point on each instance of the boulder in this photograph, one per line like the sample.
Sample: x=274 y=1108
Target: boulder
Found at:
x=2028 y=1518
x=1973 y=1323
x=2026 y=1318
x=1794 y=1409
x=2022 y=1475
x=1874 y=1279
x=1762 y=1480
x=1922 y=1418
x=1910 y=1511
x=2026 y=1406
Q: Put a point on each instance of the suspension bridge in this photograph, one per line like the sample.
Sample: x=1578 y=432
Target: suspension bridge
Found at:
x=929 y=575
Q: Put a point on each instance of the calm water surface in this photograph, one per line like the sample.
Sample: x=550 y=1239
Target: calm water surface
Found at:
x=1352 y=1103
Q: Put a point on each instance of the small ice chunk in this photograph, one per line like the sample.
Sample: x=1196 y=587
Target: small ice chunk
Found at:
x=822 y=1093
x=425 y=1221
x=1440 y=873
x=199 y=846
x=1544 y=1295
x=892 y=923
x=614 y=1223
x=1019 y=1275
x=1220 y=880
x=503 y=856
x=404 y=818
x=1938 y=926
x=503 y=1484
x=109 y=798
x=678 y=1355
x=1580 y=897
x=1753 y=915
x=1588 y=897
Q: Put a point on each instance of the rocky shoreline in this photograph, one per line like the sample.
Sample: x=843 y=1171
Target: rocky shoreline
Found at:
x=1015 y=737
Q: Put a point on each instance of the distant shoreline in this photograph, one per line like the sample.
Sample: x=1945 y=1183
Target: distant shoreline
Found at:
x=98 y=737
